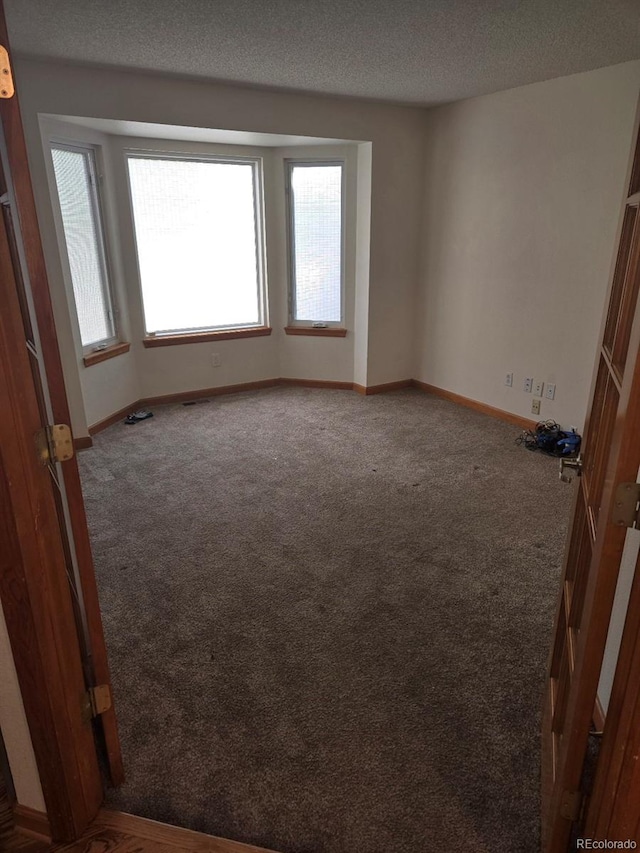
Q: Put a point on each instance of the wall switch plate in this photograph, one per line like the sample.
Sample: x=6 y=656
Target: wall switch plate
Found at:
x=508 y=379
x=535 y=407
x=528 y=385
x=550 y=393
x=215 y=359
x=538 y=388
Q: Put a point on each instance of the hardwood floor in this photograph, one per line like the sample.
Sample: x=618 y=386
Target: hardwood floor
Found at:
x=115 y=832
x=23 y=843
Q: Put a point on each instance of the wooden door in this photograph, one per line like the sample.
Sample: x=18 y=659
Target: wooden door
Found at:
x=47 y=582
x=611 y=457
x=613 y=811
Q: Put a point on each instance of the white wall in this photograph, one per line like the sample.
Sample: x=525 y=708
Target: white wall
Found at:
x=166 y=370
x=389 y=176
x=363 y=255
x=173 y=369
x=523 y=193
x=111 y=385
x=395 y=134
x=15 y=732
x=521 y=189
x=315 y=357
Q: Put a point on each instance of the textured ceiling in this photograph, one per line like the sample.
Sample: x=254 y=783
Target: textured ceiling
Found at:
x=411 y=51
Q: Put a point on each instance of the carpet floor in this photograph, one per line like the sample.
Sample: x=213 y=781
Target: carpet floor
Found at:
x=328 y=619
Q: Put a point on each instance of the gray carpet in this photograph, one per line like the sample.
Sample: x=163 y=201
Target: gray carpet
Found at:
x=328 y=619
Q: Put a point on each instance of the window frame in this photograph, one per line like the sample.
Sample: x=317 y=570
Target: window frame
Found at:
x=205 y=332
x=332 y=328
x=93 y=155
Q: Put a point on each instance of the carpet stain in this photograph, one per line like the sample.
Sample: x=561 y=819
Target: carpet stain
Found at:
x=328 y=619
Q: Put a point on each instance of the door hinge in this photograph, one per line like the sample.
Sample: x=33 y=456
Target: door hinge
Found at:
x=625 y=511
x=6 y=77
x=96 y=701
x=54 y=443
x=571 y=805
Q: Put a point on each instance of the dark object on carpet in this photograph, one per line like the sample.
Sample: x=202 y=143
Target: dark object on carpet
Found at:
x=328 y=619
x=550 y=438
x=140 y=415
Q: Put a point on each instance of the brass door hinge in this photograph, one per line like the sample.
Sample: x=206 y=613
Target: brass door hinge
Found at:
x=625 y=511
x=571 y=805
x=6 y=77
x=54 y=443
x=96 y=701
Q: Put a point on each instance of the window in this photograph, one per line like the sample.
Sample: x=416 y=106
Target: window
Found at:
x=75 y=173
x=199 y=239
x=316 y=242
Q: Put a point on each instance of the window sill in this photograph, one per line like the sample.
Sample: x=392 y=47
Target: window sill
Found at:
x=104 y=354
x=203 y=337
x=329 y=332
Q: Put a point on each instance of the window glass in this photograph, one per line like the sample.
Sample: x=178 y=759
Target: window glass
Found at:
x=316 y=242
x=75 y=181
x=197 y=238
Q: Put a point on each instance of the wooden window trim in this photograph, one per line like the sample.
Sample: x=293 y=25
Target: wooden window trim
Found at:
x=329 y=332
x=203 y=337
x=105 y=354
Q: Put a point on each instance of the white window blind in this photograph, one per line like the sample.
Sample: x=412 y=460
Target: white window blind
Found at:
x=197 y=233
x=316 y=242
x=75 y=180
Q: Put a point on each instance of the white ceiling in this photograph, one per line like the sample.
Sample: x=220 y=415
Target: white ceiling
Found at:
x=411 y=51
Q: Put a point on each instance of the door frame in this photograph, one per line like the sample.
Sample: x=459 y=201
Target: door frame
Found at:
x=34 y=257
x=610 y=813
x=564 y=802
x=34 y=589
x=31 y=609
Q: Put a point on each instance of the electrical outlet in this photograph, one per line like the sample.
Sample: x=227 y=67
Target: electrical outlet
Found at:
x=538 y=388
x=215 y=359
x=508 y=379
x=528 y=386
x=550 y=393
x=535 y=406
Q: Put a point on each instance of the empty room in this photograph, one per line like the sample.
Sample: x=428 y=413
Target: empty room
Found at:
x=320 y=359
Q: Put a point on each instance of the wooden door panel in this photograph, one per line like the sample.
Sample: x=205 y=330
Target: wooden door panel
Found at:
x=634 y=181
x=36 y=285
x=631 y=281
x=616 y=788
x=38 y=374
x=598 y=445
x=611 y=455
x=561 y=692
x=624 y=820
x=558 y=651
x=622 y=262
x=584 y=553
x=34 y=585
x=11 y=237
x=47 y=581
